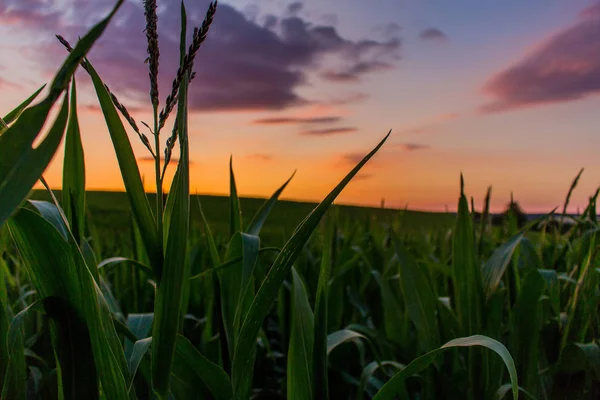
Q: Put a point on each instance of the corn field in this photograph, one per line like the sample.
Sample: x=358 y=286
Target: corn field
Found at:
x=343 y=308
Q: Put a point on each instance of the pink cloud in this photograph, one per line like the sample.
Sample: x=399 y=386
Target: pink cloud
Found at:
x=564 y=67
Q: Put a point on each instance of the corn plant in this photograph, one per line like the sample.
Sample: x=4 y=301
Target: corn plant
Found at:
x=344 y=308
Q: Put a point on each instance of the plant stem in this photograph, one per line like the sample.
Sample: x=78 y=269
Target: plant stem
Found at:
x=159 y=182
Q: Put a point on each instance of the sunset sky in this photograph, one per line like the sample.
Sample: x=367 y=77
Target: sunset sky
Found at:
x=504 y=91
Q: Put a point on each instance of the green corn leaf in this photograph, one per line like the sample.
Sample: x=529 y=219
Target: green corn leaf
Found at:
x=368 y=373
x=395 y=385
x=300 y=351
x=52 y=214
x=58 y=271
x=494 y=268
x=112 y=261
x=420 y=301
x=139 y=350
x=210 y=241
x=3 y=126
x=139 y=325
x=467 y=281
x=142 y=212
x=320 y=376
x=175 y=276
x=209 y=373
x=20 y=164
x=268 y=291
x=14 y=114
x=26 y=164
x=340 y=337
x=395 y=319
x=235 y=210
x=73 y=186
x=506 y=388
x=525 y=325
x=231 y=263
x=15 y=378
x=237 y=289
x=263 y=212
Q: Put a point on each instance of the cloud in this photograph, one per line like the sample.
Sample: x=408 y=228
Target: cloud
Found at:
x=448 y=116
x=292 y=120
x=564 y=67
x=260 y=157
x=363 y=176
x=149 y=159
x=433 y=34
x=295 y=7
x=356 y=71
x=351 y=159
x=389 y=30
x=256 y=63
x=329 y=131
x=9 y=84
x=413 y=146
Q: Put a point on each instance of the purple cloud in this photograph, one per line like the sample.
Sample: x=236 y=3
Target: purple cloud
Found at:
x=244 y=64
x=355 y=72
x=292 y=120
x=564 y=67
x=295 y=7
x=433 y=34
x=414 y=146
x=329 y=131
x=260 y=157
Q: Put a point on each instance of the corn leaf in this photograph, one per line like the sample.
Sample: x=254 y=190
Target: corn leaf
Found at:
x=235 y=210
x=420 y=301
x=175 y=275
x=20 y=164
x=525 y=325
x=140 y=205
x=300 y=351
x=320 y=376
x=237 y=289
x=14 y=114
x=395 y=385
x=58 y=271
x=494 y=268
x=268 y=291
x=466 y=272
x=73 y=183
x=212 y=375
x=263 y=212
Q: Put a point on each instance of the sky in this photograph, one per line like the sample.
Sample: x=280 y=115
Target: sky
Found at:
x=504 y=92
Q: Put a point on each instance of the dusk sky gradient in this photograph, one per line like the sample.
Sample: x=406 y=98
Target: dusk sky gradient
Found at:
x=505 y=92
